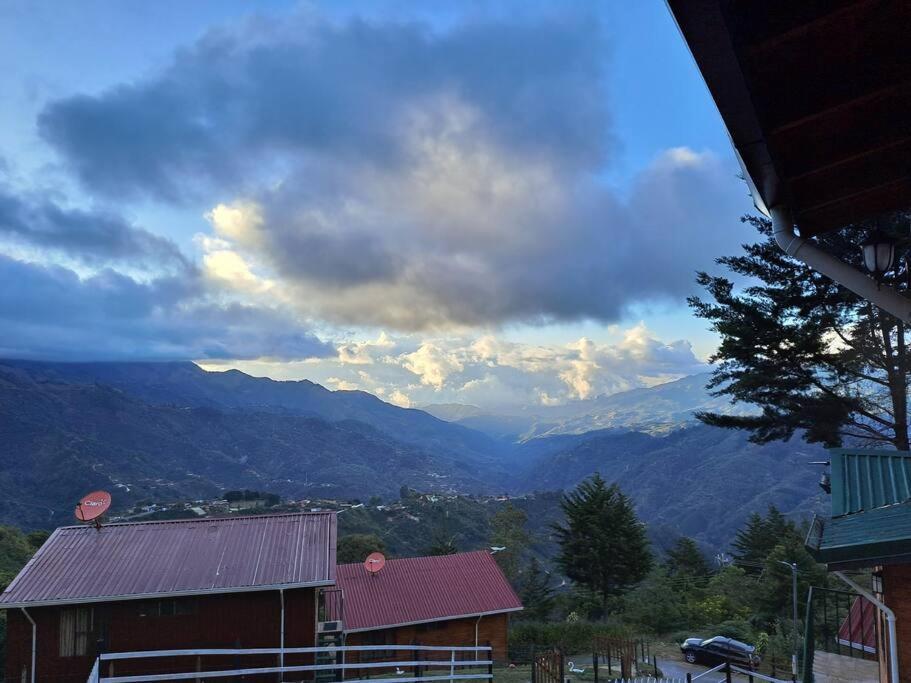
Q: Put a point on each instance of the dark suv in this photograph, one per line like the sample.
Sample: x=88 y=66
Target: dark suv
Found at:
x=718 y=650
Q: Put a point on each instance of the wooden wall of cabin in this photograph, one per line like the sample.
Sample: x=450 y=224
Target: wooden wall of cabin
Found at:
x=897 y=596
x=245 y=620
x=459 y=632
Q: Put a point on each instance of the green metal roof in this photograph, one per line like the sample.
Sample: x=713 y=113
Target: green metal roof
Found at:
x=869 y=479
x=877 y=536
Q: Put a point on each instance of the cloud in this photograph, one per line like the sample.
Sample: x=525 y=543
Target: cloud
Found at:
x=404 y=177
x=493 y=373
x=50 y=312
x=91 y=237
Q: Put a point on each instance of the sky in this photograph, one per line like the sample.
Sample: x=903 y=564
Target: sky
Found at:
x=495 y=203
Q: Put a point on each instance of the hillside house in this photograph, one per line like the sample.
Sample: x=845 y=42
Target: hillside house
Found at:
x=870 y=528
x=237 y=582
x=460 y=599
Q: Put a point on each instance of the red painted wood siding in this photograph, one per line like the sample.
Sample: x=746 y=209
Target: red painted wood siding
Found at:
x=460 y=632
x=245 y=620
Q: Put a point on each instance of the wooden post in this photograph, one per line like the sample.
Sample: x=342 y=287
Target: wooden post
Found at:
x=727 y=671
x=610 y=663
x=595 y=665
x=562 y=666
x=655 y=664
x=534 y=665
x=689 y=677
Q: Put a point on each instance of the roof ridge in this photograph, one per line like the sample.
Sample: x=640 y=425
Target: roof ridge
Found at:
x=199 y=520
x=422 y=557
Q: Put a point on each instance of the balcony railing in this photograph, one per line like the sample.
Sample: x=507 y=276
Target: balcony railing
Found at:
x=452 y=663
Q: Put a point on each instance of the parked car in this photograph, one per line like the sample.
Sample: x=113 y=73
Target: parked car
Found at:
x=717 y=650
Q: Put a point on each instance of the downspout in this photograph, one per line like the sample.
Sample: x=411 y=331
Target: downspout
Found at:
x=34 y=641
x=281 y=637
x=890 y=618
x=476 y=624
x=846 y=275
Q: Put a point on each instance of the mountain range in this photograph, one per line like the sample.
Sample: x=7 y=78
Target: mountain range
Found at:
x=170 y=431
x=657 y=409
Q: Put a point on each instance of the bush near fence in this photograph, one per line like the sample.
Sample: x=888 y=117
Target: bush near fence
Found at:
x=570 y=637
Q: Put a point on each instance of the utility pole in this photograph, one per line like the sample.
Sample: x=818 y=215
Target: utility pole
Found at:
x=793 y=567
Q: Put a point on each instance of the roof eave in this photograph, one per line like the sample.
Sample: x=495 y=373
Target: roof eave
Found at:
x=169 y=594
x=435 y=619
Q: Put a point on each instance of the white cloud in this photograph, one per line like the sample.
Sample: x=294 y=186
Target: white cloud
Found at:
x=432 y=364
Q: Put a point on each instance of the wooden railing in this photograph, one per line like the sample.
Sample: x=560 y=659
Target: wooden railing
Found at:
x=478 y=666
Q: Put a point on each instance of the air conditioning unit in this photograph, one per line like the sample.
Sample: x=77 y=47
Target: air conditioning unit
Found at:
x=330 y=627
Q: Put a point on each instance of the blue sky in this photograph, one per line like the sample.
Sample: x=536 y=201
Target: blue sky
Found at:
x=496 y=203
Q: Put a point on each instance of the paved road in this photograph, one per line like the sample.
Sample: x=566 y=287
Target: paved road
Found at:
x=677 y=668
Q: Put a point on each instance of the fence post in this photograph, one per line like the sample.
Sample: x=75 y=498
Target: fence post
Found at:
x=416 y=654
x=727 y=671
x=610 y=664
x=534 y=665
x=561 y=659
x=689 y=677
x=490 y=659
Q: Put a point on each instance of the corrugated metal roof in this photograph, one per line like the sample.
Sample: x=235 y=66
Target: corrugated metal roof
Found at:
x=868 y=479
x=154 y=559
x=421 y=589
x=877 y=536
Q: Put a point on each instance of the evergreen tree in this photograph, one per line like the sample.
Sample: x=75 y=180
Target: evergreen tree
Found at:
x=755 y=541
x=602 y=544
x=507 y=530
x=536 y=594
x=813 y=356
x=685 y=559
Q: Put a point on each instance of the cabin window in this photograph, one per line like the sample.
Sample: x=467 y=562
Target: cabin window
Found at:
x=167 y=608
x=75 y=631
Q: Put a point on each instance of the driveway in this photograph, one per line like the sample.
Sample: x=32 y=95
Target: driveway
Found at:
x=677 y=668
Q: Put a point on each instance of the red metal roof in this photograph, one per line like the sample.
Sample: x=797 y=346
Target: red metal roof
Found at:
x=858 y=630
x=184 y=557
x=420 y=589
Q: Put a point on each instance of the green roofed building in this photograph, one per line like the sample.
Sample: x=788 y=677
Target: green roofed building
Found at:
x=871 y=511
x=870 y=527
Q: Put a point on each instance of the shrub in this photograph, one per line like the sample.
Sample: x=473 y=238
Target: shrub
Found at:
x=570 y=637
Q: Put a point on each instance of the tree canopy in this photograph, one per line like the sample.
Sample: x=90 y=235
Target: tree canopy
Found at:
x=356 y=547
x=603 y=546
x=812 y=356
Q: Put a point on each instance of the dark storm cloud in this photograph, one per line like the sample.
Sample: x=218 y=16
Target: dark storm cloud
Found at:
x=235 y=100
x=50 y=312
x=93 y=237
x=413 y=178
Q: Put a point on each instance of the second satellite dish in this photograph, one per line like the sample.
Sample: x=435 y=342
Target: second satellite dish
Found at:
x=374 y=562
x=92 y=506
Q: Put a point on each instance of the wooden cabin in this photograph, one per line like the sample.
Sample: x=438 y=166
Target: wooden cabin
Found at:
x=238 y=582
x=460 y=599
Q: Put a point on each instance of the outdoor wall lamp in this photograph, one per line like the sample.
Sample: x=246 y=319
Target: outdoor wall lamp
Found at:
x=879 y=253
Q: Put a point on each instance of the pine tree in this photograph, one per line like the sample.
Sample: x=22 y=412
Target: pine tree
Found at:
x=814 y=357
x=536 y=594
x=755 y=541
x=602 y=544
x=685 y=559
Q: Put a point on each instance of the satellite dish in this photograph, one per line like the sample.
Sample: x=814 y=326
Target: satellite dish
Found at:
x=92 y=506
x=374 y=562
